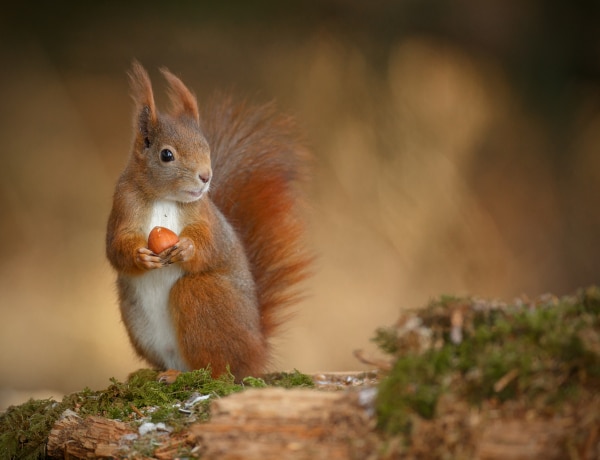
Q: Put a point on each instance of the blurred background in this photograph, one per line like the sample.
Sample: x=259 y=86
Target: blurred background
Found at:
x=456 y=143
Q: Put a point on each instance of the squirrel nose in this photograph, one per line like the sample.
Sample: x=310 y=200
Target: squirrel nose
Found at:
x=204 y=177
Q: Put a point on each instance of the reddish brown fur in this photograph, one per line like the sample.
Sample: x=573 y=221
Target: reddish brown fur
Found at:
x=209 y=304
x=259 y=163
x=230 y=299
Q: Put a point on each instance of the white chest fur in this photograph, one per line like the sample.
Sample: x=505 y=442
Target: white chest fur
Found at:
x=153 y=325
x=166 y=214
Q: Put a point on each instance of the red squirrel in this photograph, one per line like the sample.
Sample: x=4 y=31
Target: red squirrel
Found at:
x=226 y=180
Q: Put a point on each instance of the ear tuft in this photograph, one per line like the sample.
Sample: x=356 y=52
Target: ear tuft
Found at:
x=145 y=111
x=183 y=101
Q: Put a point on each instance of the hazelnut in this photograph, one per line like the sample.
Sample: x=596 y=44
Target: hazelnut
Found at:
x=161 y=238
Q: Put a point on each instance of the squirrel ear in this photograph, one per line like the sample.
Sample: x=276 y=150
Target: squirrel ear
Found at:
x=182 y=99
x=141 y=87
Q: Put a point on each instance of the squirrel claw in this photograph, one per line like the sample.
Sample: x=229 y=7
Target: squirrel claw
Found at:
x=181 y=252
x=167 y=252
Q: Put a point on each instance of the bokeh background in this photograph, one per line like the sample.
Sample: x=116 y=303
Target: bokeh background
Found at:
x=456 y=144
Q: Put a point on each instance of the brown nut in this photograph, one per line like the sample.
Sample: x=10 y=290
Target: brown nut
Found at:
x=161 y=238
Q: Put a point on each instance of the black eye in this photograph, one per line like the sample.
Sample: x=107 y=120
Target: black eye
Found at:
x=166 y=155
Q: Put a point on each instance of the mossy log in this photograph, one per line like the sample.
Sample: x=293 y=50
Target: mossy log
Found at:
x=274 y=423
x=255 y=424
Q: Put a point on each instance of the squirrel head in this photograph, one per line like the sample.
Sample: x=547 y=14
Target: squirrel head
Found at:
x=170 y=154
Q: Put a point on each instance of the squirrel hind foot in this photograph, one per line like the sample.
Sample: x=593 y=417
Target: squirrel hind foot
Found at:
x=169 y=376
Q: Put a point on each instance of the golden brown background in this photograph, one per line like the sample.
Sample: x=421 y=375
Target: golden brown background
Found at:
x=456 y=143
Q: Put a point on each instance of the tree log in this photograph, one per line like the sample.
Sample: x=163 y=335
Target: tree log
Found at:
x=91 y=437
x=523 y=440
x=278 y=423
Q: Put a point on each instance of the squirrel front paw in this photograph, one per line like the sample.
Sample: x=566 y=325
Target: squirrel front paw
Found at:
x=147 y=260
x=183 y=251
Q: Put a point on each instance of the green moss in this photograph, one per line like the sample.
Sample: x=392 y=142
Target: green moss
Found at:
x=24 y=429
x=387 y=340
x=413 y=386
x=254 y=382
x=542 y=353
x=293 y=379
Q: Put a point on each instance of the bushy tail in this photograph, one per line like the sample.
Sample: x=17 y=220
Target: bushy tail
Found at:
x=259 y=166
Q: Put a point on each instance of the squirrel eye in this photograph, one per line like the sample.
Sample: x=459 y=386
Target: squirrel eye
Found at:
x=166 y=155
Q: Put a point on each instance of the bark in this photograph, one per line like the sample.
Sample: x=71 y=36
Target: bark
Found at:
x=97 y=437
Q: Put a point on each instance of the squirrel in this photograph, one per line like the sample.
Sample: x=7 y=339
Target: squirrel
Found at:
x=227 y=179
